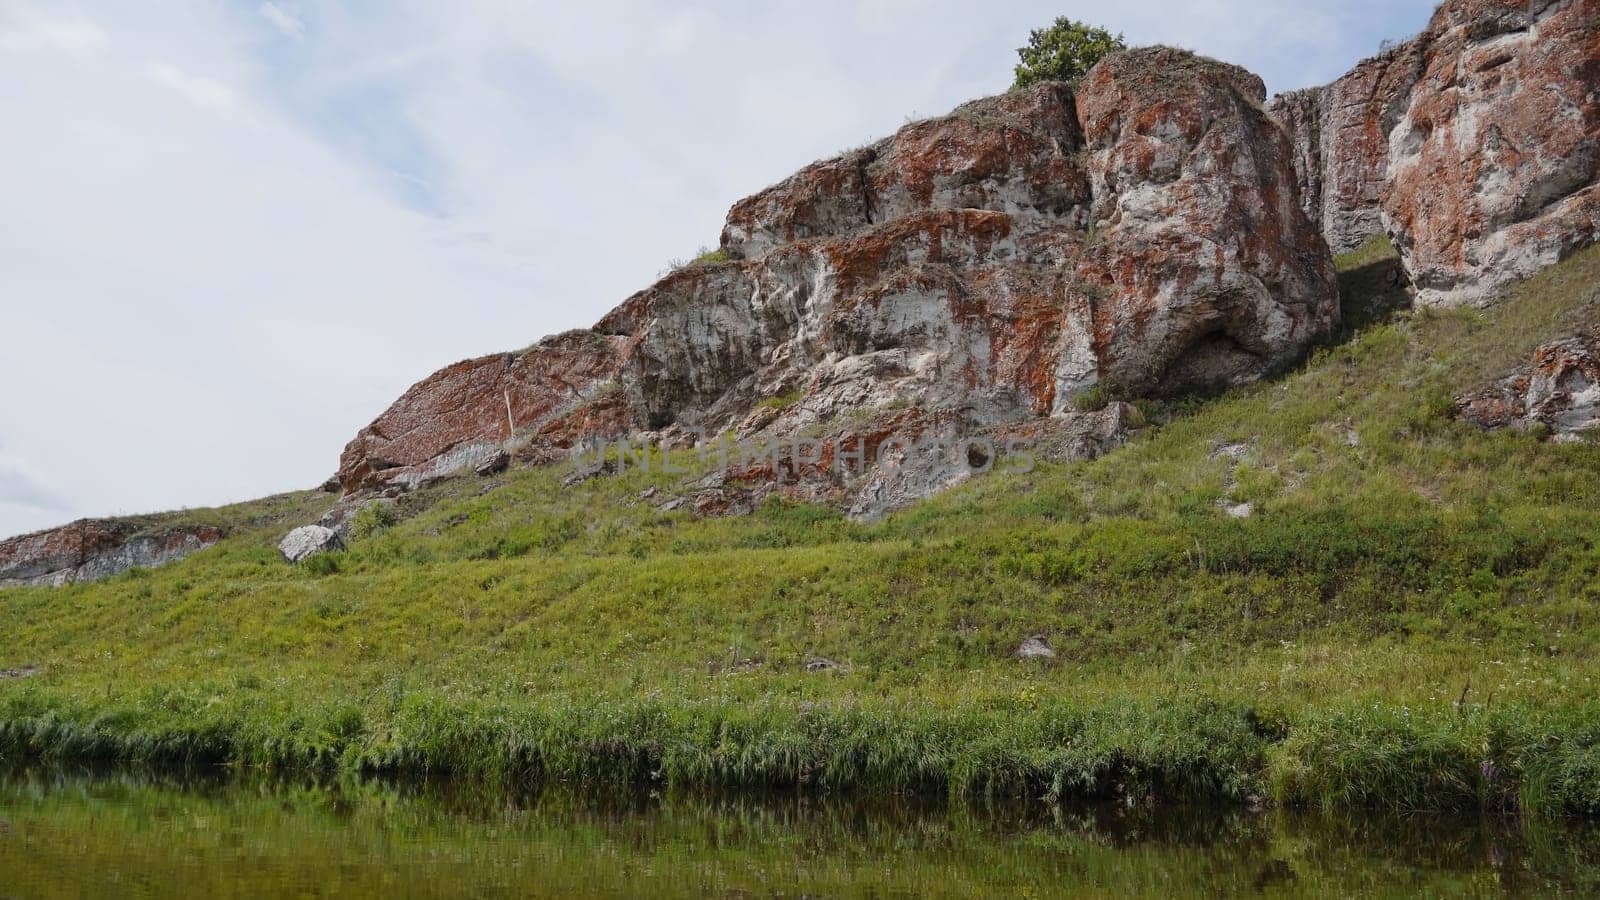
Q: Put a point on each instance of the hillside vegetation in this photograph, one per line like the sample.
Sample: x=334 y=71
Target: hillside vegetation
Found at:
x=1407 y=616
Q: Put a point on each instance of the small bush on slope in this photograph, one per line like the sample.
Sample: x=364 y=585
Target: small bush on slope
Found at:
x=1065 y=51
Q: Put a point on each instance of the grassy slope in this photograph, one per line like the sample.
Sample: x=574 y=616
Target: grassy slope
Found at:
x=1318 y=651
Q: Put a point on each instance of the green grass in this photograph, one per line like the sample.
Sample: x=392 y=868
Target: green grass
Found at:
x=372 y=520
x=1408 y=619
x=782 y=401
x=705 y=256
x=1094 y=399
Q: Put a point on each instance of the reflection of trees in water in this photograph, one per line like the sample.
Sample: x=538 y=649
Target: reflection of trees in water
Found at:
x=442 y=831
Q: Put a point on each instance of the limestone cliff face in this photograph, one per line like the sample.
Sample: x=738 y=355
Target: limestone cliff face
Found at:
x=1300 y=114
x=94 y=548
x=1494 y=170
x=1475 y=146
x=973 y=271
x=1203 y=271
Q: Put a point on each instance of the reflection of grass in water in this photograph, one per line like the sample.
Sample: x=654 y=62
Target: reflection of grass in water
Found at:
x=72 y=834
x=1397 y=564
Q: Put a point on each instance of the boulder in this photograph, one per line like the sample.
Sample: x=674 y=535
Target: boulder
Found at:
x=1559 y=390
x=1035 y=647
x=494 y=465
x=307 y=541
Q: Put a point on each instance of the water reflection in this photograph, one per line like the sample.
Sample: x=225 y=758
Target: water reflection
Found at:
x=74 y=832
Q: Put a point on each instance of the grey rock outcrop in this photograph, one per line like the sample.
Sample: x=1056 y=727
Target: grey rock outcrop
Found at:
x=1036 y=647
x=307 y=541
x=91 y=549
x=1558 y=390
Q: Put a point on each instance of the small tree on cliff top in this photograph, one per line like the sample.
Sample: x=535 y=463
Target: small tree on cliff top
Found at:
x=1065 y=51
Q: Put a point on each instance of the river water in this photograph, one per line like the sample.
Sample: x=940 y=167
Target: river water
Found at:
x=137 y=834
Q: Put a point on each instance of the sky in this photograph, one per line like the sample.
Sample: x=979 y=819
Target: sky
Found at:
x=232 y=233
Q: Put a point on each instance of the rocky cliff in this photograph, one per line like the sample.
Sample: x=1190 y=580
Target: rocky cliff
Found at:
x=1475 y=146
x=1140 y=236
x=1018 y=267
x=1159 y=230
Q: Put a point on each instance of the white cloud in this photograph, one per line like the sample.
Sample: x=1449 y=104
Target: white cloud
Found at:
x=202 y=92
x=20 y=488
x=225 y=252
x=25 y=29
x=285 y=21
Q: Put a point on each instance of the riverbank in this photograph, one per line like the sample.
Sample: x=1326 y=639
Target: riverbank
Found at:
x=1541 y=761
x=1326 y=590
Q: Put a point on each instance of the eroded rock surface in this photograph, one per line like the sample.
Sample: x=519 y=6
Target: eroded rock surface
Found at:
x=1204 y=271
x=1340 y=135
x=464 y=415
x=92 y=549
x=906 y=476
x=1494 y=170
x=307 y=541
x=1011 y=154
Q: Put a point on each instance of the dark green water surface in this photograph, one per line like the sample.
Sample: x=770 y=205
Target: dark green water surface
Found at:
x=122 y=834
